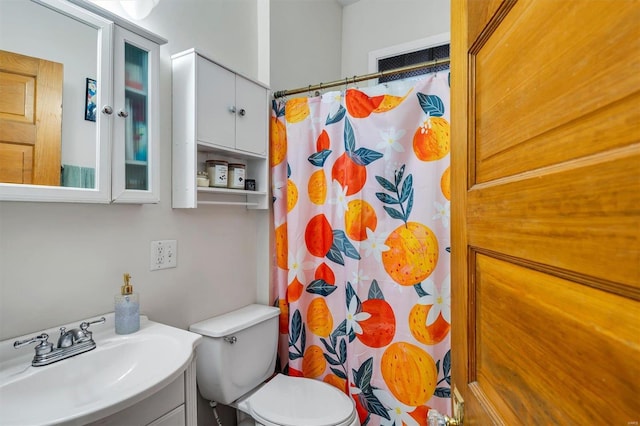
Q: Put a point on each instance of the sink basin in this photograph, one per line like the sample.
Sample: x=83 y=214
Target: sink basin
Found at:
x=122 y=370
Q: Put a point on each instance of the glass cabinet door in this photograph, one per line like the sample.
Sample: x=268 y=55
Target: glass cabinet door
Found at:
x=135 y=177
x=136 y=95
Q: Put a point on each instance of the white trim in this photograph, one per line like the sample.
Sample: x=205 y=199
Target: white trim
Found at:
x=264 y=64
x=118 y=20
x=401 y=49
x=191 y=393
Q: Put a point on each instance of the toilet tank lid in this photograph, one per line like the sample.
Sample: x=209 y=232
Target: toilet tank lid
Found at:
x=231 y=322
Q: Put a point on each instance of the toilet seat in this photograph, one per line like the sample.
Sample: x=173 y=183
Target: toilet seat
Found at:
x=292 y=401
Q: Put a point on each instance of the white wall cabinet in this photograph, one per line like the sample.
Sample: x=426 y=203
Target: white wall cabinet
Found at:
x=231 y=110
x=217 y=114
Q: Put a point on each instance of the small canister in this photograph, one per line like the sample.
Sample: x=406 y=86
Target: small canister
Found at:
x=217 y=171
x=236 y=176
x=202 y=179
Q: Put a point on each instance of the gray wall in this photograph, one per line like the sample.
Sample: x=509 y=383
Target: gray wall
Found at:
x=376 y=24
x=314 y=41
x=306 y=42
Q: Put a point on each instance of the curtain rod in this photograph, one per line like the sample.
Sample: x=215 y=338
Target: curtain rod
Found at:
x=355 y=79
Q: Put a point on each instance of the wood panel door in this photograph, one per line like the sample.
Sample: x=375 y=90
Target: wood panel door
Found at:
x=546 y=211
x=30 y=119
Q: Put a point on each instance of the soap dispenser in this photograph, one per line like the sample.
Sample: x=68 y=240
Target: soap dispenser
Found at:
x=127 y=312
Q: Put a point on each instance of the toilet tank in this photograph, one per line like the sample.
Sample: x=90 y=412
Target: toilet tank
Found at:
x=238 y=352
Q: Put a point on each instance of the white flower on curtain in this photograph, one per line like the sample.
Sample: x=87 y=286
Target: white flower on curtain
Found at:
x=442 y=212
x=298 y=265
x=339 y=198
x=439 y=299
x=397 y=411
x=353 y=316
x=359 y=276
x=390 y=141
x=374 y=244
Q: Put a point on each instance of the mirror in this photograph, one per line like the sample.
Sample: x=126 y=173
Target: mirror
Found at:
x=62 y=36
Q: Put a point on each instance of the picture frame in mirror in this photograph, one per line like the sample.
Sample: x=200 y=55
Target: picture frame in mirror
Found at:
x=90 y=100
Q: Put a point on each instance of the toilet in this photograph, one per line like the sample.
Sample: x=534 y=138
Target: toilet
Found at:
x=235 y=365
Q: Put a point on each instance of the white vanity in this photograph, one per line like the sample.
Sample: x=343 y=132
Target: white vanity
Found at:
x=144 y=378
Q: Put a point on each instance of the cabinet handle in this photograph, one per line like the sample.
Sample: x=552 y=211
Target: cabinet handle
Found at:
x=232 y=109
x=107 y=110
x=123 y=114
x=242 y=112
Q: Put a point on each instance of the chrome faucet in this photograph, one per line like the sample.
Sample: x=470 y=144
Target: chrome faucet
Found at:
x=70 y=343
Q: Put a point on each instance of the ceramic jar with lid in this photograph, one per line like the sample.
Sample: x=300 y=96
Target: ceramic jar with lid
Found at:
x=218 y=173
x=202 y=179
x=236 y=176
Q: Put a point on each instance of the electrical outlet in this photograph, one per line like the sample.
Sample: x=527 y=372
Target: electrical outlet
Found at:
x=164 y=254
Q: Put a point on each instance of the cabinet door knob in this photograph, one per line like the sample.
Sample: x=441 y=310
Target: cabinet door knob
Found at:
x=232 y=109
x=123 y=114
x=242 y=112
x=107 y=110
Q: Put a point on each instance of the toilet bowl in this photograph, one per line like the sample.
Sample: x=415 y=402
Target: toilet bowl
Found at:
x=295 y=401
x=235 y=363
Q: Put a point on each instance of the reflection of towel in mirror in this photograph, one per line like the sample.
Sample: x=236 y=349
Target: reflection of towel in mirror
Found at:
x=77 y=177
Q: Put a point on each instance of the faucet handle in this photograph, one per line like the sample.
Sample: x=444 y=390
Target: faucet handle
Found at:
x=84 y=325
x=84 y=334
x=42 y=348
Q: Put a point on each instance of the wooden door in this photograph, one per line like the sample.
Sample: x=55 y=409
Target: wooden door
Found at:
x=30 y=119
x=546 y=211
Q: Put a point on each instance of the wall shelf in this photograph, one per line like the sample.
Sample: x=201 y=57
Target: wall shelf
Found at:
x=214 y=190
x=217 y=115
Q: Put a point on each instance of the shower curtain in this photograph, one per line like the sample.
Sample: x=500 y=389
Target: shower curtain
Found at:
x=361 y=193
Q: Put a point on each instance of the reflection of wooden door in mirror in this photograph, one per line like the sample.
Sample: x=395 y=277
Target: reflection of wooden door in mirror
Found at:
x=545 y=211
x=30 y=119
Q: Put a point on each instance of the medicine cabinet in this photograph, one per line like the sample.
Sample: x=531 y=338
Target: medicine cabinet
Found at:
x=218 y=114
x=99 y=156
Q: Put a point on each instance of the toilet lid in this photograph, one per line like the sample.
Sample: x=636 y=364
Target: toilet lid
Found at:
x=295 y=401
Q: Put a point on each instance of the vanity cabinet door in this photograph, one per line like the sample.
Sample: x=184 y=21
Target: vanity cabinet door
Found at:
x=136 y=125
